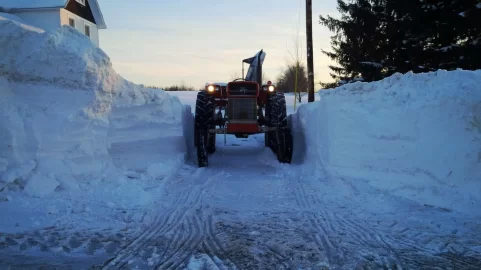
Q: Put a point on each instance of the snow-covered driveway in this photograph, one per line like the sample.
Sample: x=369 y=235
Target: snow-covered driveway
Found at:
x=246 y=211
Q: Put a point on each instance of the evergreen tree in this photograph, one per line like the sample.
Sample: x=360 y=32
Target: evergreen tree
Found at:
x=357 y=41
x=456 y=25
x=375 y=38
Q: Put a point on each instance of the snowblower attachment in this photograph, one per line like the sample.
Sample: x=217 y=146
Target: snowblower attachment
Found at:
x=254 y=74
x=242 y=108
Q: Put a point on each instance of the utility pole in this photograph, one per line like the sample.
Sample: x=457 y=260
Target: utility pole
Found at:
x=310 y=61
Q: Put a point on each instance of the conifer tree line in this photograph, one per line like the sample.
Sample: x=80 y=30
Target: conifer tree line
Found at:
x=374 y=39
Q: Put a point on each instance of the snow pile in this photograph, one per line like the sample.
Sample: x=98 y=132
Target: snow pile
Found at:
x=416 y=135
x=66 y=58
x=62 y=106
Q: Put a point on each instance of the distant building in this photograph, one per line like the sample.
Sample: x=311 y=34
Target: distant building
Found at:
x=83 y=15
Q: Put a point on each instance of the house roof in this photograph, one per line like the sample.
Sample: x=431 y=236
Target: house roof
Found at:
x=30 y=4
x=41 y=4
x=13 y=18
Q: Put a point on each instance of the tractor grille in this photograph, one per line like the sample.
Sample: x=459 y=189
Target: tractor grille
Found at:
x=242 y=109
x=242 y=89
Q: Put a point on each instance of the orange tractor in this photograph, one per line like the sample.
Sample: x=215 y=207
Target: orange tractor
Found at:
x=242 y=107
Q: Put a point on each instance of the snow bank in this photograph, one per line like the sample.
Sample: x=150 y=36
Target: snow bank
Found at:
x=62 y=106
x=418 y=136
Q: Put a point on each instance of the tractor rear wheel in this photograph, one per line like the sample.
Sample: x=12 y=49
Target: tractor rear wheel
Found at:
x=279 y=111
x=269 y=135
x=284 y=145
x=204 y=120
x=211 y=143
x=202 y=154
x=281 y=143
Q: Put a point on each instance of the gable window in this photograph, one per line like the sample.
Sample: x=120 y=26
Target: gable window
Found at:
x=71 y=22
x=87 y=31
x=81 y=1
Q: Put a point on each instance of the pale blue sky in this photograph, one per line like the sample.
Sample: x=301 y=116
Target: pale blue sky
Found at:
x=165 y=42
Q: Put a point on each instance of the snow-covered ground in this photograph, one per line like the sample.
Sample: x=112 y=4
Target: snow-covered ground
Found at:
x=94 y=173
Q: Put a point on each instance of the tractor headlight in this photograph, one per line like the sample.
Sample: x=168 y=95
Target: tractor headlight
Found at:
x=210 y=88
x=271 y=88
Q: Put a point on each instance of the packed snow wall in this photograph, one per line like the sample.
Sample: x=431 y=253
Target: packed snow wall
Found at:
x=415 y=135
x=62 y=107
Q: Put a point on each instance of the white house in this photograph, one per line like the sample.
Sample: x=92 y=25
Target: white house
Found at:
x=83 y=15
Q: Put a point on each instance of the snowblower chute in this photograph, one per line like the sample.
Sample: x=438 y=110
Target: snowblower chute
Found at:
x=242 y=107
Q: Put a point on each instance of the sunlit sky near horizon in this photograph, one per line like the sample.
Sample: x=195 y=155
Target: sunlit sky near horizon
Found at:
x=167 y=42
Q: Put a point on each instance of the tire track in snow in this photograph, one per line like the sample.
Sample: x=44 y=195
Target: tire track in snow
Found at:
x=178 y=218
x=301 y=197
x=329 y=226
x=177 y=236
x=329 y=217
x=162 y=224
x=183 y=220
x=457 y=261
x=333 y=250
x=199 y=236
x=361 y=236
x=401 y=248
x=321 y=245
x=218 y=250
x=415 y=244
x=186 y=247
x=365 y=236
x=211 y=239
x=368 y=237
x=321 y=232
x=144 y=238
